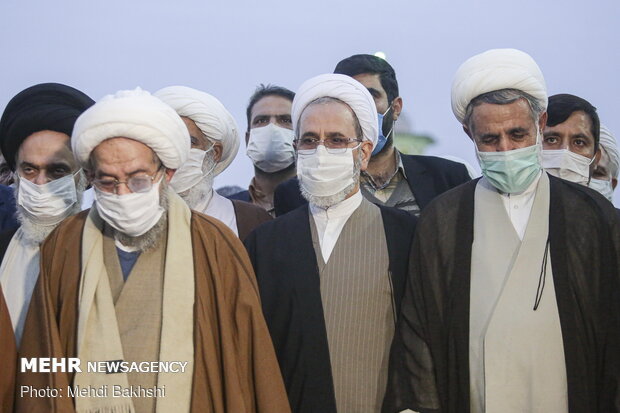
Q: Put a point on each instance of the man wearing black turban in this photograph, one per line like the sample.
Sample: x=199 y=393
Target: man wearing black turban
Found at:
x=35 y=132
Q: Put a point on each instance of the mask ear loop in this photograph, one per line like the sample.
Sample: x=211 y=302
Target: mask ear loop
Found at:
x=542 y=278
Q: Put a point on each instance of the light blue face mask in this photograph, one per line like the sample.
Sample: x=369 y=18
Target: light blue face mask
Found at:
x=511 y=171
x=382 y=139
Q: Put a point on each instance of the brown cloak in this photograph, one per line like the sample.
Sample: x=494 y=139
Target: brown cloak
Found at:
x=235 y=368
x=8 y=355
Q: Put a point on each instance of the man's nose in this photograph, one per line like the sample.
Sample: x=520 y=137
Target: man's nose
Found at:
x=122 y=189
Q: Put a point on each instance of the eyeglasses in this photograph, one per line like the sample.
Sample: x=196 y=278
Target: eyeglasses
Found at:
x=139 y=184
x=332 y=145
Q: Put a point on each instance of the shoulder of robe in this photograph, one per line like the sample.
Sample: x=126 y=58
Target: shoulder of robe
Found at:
x=246 y=208
x=582 y=199
x=67 y=231
x=449 y=203
x=283 y=225
x=212 y=228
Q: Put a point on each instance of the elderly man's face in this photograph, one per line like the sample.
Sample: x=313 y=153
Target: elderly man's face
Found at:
x=200 y=140
x=45 y=156
x=333 y=120
x=498 y=128
x=602 y=169
x=574 y=134
x=121 y=159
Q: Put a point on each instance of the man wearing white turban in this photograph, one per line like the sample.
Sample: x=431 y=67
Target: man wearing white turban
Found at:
x=512 y=301
x=141 y=278
x=215 y=141
x=406 y=182
x=605 y=174
x=331 y=273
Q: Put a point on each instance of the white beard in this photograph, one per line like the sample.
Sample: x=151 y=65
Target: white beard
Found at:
x=325 y=202
x=196 y=194
x=150 y=238
x=34 y=232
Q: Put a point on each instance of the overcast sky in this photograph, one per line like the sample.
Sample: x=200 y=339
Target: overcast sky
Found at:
x=228 y=47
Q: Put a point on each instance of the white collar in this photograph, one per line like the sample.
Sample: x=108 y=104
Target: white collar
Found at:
x=343 y=208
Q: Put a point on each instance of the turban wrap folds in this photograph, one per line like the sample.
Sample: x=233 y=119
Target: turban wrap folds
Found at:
x=137 y=115
x=211 y=117
x=346 y=89
x=608 y=142
x=493 y=70
x=47 y=106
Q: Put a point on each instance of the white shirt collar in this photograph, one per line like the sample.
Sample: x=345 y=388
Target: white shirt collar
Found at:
x=329 y=222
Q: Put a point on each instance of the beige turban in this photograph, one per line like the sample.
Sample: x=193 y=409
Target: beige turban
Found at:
x=608 y=142
x=134 y=114
x=493 y=70
x=345 y=88
x=211 y=117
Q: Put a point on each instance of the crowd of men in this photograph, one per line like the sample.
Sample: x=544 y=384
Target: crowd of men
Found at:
x=349 y=277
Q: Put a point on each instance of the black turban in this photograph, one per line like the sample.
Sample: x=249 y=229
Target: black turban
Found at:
x=47 y=106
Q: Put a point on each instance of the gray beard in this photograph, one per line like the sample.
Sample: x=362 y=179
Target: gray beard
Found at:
x=325 y=202
x=34 y=232
x=196 y=194
x=153 y=236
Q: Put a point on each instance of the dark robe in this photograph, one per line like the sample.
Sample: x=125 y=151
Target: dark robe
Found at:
x=8 y=355
x=249 y=216
x=429 y=359
x=427 y=176
x=8 y=220
x=288 y=278
x=235 y=368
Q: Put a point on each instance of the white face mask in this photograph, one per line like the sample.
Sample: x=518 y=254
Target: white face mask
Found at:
x=604 y=187
x=50 y=203
x=323 y=173
x=567 y=165
x=271 y=148
x=132 y=214
x=190 y=173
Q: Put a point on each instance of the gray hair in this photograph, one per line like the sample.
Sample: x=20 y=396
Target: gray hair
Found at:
x=329 y=99
x=504 y=97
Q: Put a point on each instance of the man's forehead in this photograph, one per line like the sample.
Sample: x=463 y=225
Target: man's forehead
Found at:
x=371 y=81
x=46 y=147
x=272 y=105
x=331 y=116
x=495 y=115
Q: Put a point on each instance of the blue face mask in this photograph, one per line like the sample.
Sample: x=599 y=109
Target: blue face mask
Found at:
x=382 y=139
x=511 y=171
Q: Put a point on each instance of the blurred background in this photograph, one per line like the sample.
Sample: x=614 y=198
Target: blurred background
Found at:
x=227 y=48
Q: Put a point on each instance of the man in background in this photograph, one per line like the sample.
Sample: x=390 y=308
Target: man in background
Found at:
x=215 y=141
x=269 y=141
x=406 y=182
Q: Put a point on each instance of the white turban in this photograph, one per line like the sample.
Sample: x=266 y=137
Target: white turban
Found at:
x=211 y=117
x=608 y=142
x=345 y=88
x=493 y=70
x=134 y=114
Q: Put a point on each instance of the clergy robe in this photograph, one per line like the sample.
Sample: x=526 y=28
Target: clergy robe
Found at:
x=235 y=369
x=288 y=277
x=249 y=216
x=8 y=355
x=429 y=360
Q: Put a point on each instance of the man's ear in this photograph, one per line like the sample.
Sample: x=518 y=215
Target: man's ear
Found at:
x=614 y=182
x=169 y=173
x=397 y=107
x=468 y=132
x=217 y=151
x=366 y=148
x=542 y=123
